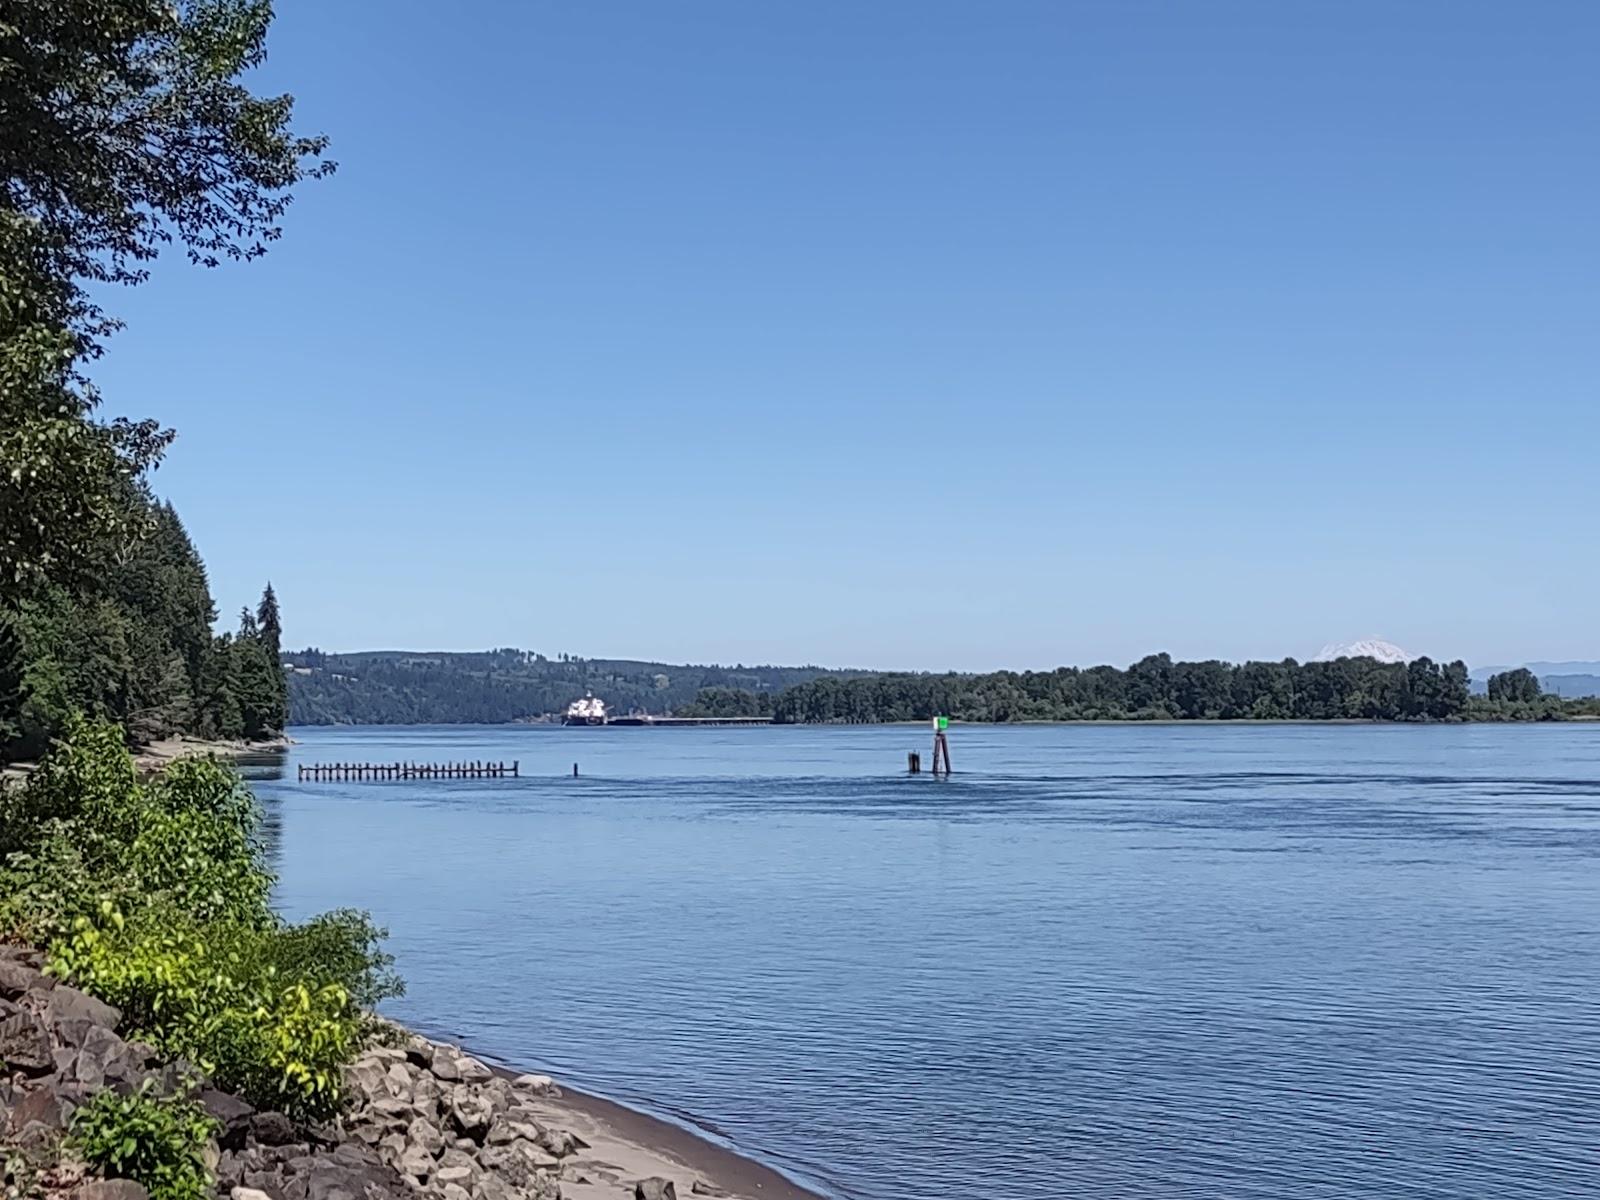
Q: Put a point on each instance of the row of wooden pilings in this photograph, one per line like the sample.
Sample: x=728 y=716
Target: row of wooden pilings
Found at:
x=409 y=770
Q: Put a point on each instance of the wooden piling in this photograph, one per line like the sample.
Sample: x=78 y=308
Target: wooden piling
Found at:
x=478 y=768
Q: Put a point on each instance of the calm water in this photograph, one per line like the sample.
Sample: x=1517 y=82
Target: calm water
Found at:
x=1101 y=962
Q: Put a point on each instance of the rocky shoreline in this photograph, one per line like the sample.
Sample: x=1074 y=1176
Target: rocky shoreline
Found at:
x=423 y=1119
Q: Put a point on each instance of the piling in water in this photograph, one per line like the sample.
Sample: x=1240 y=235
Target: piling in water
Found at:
x=347 y=772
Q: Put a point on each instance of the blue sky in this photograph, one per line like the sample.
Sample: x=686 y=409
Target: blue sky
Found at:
x=934 y=334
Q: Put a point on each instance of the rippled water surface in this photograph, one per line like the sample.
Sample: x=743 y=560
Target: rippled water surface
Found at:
x=1102 y=961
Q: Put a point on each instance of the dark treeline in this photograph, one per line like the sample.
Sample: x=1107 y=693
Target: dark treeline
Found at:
x=497 y=686
x=124 y=130
x=133 y=643
x=728 y=702
x=1157 y=688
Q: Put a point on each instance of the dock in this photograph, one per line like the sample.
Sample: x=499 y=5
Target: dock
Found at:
x=679 y=722
x=342 y=772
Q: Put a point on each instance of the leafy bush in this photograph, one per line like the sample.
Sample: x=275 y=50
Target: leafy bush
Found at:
x=157 y=1141
x=152 y=895
x=86 y=831
x=268 y=1012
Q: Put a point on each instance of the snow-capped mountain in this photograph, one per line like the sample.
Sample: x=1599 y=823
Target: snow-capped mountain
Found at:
x=1384 y=652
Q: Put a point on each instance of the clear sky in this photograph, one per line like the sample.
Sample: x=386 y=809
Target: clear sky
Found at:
x=909 y=333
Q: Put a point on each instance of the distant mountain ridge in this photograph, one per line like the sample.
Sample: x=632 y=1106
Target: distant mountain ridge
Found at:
x=411 y=687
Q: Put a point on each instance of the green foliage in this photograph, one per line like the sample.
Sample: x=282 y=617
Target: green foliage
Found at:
x=243 y=1002
x=727 y=702
x=138 y=648
x=12 y=679
x=126 y=128
x=269 y=622
x=397 y=688
x=1520 y=686
x=1154 y=688
x=158 y=1141
x=152 y=895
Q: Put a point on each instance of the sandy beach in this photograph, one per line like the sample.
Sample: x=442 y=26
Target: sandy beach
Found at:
x=626 y=1145
x=155 y=755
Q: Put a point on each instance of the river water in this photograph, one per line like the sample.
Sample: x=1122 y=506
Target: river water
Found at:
x=1101 y=961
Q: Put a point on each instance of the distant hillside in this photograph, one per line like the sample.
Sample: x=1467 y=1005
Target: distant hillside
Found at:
x=1574 y=679
x=1541 y=669
x=405 y=687
x=1571 y=686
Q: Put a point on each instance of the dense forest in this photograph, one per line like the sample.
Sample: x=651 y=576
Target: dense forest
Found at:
x=495 y=686
x=1157 y=688
x=133 y=643
x=123 y=131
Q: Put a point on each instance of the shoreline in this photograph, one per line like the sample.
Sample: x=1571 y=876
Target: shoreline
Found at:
x=155 y=755
x=1575 y=718
x=644 y=1145
x=621 y=1149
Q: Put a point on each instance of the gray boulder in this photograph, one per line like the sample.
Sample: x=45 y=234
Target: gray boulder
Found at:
x=69 y=1004
x=562 y=1143
x=654 y=1188
x=472 y=1112
x=18 y=977
x=103 y=1058
x=454 y=1157
x=426 y=1135
x=506 y=1165
x=398 y=1083
x=458 y=1175
x=536 y=1156
x=25 y=1045
x=492 y=1187
x=445 y=1066
x=272 y=1129
x=388 y=1112
x=232 y=1113
x=111 y=1189
x=505 y=1131
x=365 y=1078
x=426 y=1093
x=417 y=1163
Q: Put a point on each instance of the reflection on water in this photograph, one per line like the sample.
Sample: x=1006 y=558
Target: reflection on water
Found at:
x=1253 y=962
x=262 y=771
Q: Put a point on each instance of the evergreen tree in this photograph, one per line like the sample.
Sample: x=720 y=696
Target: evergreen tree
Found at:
x=269 y=622
x=258 y=685
x=220 y=715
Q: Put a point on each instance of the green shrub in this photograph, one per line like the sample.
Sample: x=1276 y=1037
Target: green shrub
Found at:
x=157 y=1141
x=88 y=779
x=152 y=895
x=268 y=1012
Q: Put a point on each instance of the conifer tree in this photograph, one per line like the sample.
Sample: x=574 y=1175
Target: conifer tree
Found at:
x=269 y=622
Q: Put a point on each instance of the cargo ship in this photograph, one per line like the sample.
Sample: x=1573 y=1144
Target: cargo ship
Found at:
x=587 y=711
